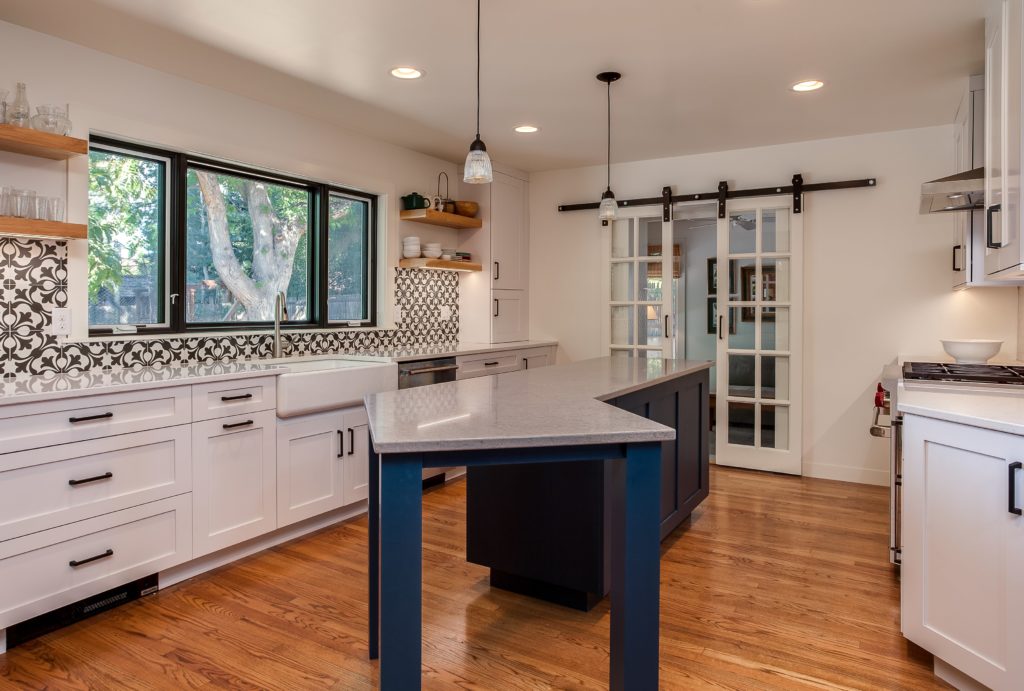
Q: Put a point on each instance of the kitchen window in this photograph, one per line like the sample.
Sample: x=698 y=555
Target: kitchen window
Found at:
x=180 y=243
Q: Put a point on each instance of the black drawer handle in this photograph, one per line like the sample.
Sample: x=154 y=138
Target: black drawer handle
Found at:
x=87 y=418
x=79 y=562
x=1012 y=508
x=233 y=425
x=989 y=242
x=240 y=397
x=491 y=364
x=351 y=441
x=105 y=476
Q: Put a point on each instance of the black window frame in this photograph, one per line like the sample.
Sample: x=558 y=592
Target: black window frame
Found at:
x=175 y=251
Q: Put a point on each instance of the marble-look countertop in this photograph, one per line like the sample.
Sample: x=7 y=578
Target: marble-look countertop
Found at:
x=45 y=387
x=560 y=405
x=422 y=353
x=996 y=409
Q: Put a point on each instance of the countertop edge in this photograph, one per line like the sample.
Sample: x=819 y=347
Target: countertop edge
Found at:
x=474 y=350
x=604 y=398
x=487 y=444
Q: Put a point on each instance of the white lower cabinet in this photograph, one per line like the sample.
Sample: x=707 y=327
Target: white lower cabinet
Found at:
x=357 y=455
x=963 y=548
x=537 y=357
x=235 y=475
x=510 y=318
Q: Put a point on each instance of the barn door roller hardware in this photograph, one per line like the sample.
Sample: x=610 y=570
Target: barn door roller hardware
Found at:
x=798 y=189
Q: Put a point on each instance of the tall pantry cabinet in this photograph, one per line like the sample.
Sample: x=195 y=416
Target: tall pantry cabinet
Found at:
x=494 y=304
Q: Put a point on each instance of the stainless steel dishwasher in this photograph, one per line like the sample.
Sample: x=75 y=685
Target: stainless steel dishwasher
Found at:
x=424 y=373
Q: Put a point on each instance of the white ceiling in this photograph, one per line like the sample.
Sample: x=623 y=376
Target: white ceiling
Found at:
x=699 y=75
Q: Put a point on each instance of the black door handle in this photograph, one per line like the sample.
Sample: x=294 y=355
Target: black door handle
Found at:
x=666 y=326
x=87 y=418
x=233 y=425
x=351 y=441
x=241 y=397
x=79 y=562
x=720 y=327
x=497 y=271
x=341 y=443
x=105 y=476
x=955 y=267
x=497 y=308
x=1012 y=507
x=992 y=245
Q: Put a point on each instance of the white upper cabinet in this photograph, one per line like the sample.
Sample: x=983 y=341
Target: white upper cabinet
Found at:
x=508 y=233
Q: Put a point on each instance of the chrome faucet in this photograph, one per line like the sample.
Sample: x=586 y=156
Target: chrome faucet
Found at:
x=280 y=315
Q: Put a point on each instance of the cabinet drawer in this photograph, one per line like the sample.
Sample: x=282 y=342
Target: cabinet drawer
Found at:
x=492 y=363
x=56 y=567
x=224 y=399
x=47 y=423
x=55 y=485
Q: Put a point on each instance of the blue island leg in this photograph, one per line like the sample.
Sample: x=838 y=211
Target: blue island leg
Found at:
x=373 y=538
x=401 y=566
x=636 y=563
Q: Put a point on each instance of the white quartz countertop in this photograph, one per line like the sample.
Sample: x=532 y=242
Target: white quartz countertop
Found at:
x=425 y=353
x=46 y=387
x=996 y=409
x=549 y=406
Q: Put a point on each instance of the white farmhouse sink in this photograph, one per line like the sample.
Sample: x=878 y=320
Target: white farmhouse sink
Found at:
x=314 y=385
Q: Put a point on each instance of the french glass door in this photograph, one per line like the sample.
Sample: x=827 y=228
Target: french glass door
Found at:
x=758 y=405
x=644 y=277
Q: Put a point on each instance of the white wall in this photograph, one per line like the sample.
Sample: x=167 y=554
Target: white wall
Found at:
x=112 y=96
x=876 y=272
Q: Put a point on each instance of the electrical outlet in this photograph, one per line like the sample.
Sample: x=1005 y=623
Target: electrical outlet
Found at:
x=446 y=313
x=61 y=324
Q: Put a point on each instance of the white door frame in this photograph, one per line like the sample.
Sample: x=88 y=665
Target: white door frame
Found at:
x=788 y=408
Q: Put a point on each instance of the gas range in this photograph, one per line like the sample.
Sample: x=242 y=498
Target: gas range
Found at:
x=998 y=375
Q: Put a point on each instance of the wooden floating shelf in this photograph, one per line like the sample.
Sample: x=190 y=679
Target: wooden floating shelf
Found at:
x=57 y=147
x=30 y=227
x=438 y=264
x=440 y=218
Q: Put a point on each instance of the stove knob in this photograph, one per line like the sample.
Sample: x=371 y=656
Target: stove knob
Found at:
x=880 y=397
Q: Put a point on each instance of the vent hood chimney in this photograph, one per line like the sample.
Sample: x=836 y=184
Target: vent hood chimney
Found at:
x=960 y=192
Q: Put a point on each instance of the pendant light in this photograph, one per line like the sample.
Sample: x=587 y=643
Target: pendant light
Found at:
x=478 y=164
x=609 y=207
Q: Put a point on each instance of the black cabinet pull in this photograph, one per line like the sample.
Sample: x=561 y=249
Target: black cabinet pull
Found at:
x=491 y=364
x=341 y=443
x=992 y=245
x=87 y=418
x=351 y=441
x=240 y=397
x=497 y=271
x=105 y=476
x=497 y=309
x=1012 y=508
x=233 y=425
x=955 y=267
x=79 y=562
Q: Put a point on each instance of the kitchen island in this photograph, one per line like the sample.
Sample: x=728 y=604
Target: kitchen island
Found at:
x=554 y=416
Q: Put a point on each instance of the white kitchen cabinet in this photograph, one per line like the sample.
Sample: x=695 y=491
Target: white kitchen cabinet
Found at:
x=357 y=456
x=234 y=479
x=502 y=248
x=1004 y=84
x=537 y=357
x=963 y=548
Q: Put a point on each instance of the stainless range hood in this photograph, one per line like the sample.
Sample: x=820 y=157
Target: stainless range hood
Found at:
x=960 y=192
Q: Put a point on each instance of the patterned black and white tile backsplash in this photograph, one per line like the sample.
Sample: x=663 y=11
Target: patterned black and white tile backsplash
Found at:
x=34 y=277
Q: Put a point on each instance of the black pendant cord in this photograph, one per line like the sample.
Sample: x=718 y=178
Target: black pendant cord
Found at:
x=478 y=69
x=609 y=186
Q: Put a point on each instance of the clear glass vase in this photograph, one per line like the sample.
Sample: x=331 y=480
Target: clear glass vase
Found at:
x=19 y=113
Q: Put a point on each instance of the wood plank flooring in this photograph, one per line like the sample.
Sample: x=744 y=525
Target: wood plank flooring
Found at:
x=776 y=582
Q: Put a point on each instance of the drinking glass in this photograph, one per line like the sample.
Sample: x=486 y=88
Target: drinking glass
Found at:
x=24 y=202
x=5 y=201
x=55 y=209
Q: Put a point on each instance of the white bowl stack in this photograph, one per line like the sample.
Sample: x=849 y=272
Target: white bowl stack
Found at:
x=411 y=247
x=432 y=250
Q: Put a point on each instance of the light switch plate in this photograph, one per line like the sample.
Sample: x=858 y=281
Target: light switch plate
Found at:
x=61 y=321
x=446 y=313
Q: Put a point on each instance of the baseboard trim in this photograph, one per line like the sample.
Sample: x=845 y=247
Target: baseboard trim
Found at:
x=183 y=572
x=845 y=473
x=955 y=678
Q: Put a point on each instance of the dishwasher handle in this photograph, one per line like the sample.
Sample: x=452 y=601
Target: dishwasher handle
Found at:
x=428 y=370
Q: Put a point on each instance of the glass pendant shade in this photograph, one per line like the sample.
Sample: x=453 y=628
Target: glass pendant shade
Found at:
x=478 y=169
x=609 y=207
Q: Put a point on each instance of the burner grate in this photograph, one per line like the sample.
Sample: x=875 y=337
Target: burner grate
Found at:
x=939 y=371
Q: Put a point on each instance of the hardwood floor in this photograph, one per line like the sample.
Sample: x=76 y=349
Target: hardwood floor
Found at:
x=775 y=582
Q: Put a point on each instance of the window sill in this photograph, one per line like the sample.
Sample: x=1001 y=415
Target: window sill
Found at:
x=164 y=335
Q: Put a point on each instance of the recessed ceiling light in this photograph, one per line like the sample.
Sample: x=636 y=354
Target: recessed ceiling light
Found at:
x=527 y=129
x=808 y=85
x=406 y=73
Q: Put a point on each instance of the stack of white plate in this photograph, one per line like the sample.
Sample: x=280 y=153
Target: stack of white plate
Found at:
x=411 y=247
x=432 y=250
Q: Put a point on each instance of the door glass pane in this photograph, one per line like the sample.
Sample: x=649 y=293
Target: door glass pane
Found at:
x=650 y=281
x=622 y=238
x=741 y=375
x=775 y=230
x=651 y=324
x=775 y=427
x=775 y=377
x=775 y=280
x=775 y=328
x=622 y=325
x=741 y=333
x=742 y=238
x=622 y=281
x=741 y=423
x=650 y=237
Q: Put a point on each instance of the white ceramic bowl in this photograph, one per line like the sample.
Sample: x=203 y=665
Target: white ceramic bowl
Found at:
x=413 y=253
x=432 y=254
x=411 y=240
x=972 y=351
